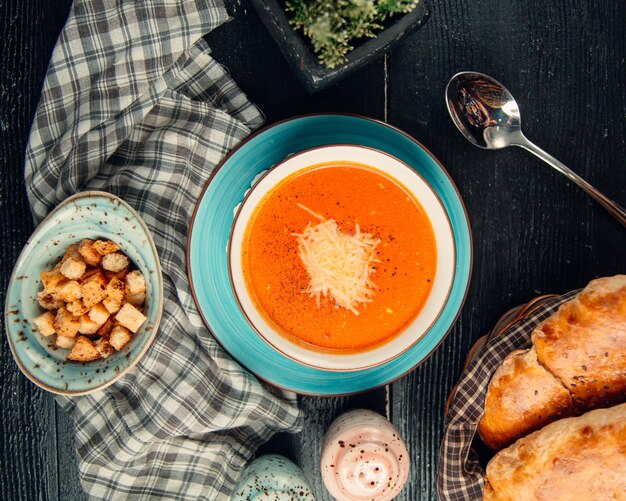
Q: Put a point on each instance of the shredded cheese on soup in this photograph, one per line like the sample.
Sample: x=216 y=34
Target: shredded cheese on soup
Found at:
x=339 y=265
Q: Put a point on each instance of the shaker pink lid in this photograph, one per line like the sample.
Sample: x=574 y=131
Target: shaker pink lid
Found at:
x=364 y=458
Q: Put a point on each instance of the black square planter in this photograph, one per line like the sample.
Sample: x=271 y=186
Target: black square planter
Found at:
x=296 y=48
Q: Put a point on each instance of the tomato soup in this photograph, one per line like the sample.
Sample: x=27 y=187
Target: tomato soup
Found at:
x=354 y=196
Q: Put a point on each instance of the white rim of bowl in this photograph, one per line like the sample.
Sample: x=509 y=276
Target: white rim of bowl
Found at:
x=238 y=228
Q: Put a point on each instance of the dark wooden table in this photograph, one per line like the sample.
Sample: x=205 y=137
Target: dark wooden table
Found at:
x=534 y=232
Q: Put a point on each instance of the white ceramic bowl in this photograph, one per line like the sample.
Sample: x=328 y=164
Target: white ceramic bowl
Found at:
x=421 y=191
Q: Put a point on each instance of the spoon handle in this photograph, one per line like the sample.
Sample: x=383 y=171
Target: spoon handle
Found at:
x=615 y=209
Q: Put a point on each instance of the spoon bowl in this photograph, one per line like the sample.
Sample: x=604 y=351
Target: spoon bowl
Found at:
x=488 y=116
x=483 y=110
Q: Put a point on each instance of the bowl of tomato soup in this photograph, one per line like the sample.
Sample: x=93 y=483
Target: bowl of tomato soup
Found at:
x=341 y=257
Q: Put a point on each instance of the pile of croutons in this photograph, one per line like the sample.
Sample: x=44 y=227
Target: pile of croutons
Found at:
x=94 y=303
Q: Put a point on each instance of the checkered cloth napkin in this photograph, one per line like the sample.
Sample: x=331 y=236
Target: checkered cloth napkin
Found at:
x=134 y=105
x=460 y=476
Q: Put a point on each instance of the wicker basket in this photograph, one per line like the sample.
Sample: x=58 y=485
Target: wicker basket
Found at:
x=463 y=456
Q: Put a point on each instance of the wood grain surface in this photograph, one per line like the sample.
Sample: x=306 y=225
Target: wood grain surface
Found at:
x=534 y=232
x=36 y=443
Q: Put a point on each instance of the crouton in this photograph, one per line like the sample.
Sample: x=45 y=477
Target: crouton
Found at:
x=104 y=347
x=72 y=251
x=90 y=255
x=45 y=324
x=130 y=317
x=73 y=268
x=94 y=304
x=51 y=279
x=66 y=324
x=135 y=283
x=77 y=308
x=65 y=342
x=136 y=299
x=89 y=273
x=115 y=262
x=104 y=247
x=105 y=328
x=49 y=300
x=116 y=290
x=119 y=337
x=87 y=325
x=68 y=291
x=83 y=351
x=111 y=305
x=120 y=275
x=99 y=314
x=94 y=289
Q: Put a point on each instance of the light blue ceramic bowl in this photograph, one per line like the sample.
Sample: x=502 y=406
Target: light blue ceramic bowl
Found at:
x=207 y=258
x=85 y=215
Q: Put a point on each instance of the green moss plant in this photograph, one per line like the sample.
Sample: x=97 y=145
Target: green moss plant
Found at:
x=334 y=25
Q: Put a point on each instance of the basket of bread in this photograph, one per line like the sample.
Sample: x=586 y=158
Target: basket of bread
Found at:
x=539 y=412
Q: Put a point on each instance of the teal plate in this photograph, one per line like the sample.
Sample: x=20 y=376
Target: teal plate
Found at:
x=207 y=259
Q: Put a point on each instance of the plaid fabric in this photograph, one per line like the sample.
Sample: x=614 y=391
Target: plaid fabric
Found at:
x=460 y=476
x=134 y=105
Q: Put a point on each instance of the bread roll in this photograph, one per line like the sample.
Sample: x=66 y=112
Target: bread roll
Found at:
x=523 y=397
x=577 y=363
x=584 y=344
x=581 y=458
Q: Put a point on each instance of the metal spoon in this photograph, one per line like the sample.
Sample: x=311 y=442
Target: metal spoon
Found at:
x=488 y=116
